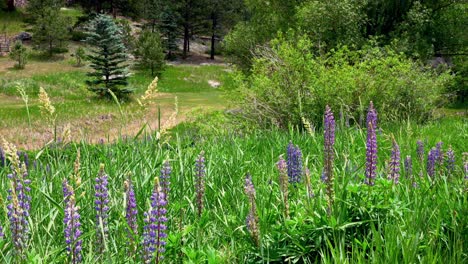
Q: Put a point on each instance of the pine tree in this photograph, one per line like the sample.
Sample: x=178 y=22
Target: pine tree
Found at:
x=107 y=58
x=20 y=54
x=150 y=51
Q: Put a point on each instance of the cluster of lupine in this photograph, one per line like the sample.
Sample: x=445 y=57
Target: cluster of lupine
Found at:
x=294 y=163
x=329 y=153
x=371 y=145
x=154 y=234
x=101 y=205
x=394 y=163
x=18 y=201
x=131 y=216
x=72 y=224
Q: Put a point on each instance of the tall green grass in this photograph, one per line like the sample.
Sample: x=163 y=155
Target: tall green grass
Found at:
x=380 y=224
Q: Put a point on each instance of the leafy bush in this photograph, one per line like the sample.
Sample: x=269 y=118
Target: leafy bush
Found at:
x=20 y=54
x=288 y=83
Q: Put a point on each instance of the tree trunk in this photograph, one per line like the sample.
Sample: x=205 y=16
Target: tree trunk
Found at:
x=11 y=5
x=213 y=34
x=186 y=40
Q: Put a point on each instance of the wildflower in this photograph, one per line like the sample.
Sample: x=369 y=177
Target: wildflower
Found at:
x=101 y=202
x=329 y=141
x=19 y=200
x=294 y=163
x=200 y=181
x=438 y=153
x=72 y=224
x=252 y=218
x=2 y=235
x=165 y=178
x=2 y=158
x=47 y=109
x=371 y=146
x=131 y=214
x=431 y=162
x=372 y=116
x=450 y=160
x=420 y=150
x=149 y=93
x=394 y=174
x=283 y=183
x=154 y=234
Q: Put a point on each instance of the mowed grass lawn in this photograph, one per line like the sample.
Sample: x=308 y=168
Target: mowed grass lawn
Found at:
x=76 y=105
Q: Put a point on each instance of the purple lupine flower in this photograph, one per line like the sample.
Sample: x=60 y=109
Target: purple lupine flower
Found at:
x=329 y=141
x=394 y=170
x=420 y=150
x=154 y=231
x=408 y=167
x=371 y=146
x=2 y=158
x=72 y=224
x=165 y=178
x=450 y=160
x=2 y=235
x=18 y=208
x=294 y=163
x=131 y=213
x=372 y=116
x=200 y=181
x=26 y=159
x=283 y=183
x=252 y=218
x=431 y=162
x=438 y=153
x=101 y=202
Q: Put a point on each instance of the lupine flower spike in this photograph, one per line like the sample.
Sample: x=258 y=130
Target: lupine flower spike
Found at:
x=465 y=165
x=283 y=183
x=409 y=170
x=450 y=161
x=329 y=141
x=252 y=218
x=371 y=146
x=101 y=202
x=200 y=181
x=394 y=165
x=72 y=224
x=154 y=231
x=431 y=162
x=165 y=178
x=294 y=163
x=19 y=201
x=131 y=215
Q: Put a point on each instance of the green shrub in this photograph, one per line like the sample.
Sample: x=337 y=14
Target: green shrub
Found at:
x=288 y=82
x=20 y=54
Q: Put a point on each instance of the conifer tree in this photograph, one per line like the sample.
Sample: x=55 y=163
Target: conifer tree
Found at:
x=107 y=59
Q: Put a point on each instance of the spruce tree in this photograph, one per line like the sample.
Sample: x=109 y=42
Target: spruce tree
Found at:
x=107 y=58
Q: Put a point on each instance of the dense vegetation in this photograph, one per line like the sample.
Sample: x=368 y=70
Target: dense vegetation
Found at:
x=338 y=135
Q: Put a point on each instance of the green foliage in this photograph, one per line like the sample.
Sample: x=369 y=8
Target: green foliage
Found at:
x=382 y=224
x=20 y=54
x=108 y=58
x=150 y=52
x=331 y=23
x=50 y=30
x=80 y=56
x=288 y=82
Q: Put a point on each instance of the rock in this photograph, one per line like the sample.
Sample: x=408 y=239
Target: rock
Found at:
x=214 y=84
x=23 y=36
